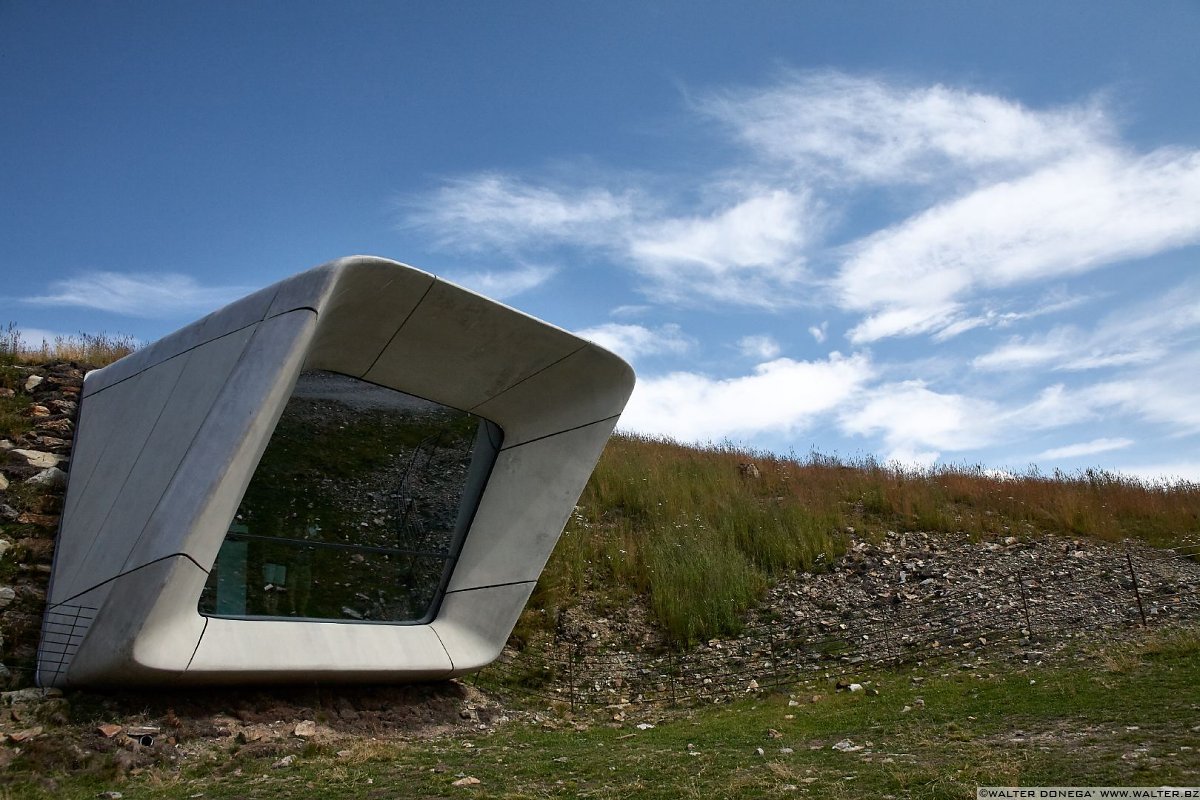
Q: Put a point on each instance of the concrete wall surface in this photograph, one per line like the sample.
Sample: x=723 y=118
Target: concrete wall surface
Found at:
x=170 y=436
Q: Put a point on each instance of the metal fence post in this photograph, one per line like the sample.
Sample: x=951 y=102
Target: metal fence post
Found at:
x=1025 y=603
x=671 y=674
x=571 y=672
x=1137 y=592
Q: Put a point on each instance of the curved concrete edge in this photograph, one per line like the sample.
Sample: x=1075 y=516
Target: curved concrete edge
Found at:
x=474 y=625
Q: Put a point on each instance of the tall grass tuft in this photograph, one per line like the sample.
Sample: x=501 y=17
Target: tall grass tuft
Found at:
x=690 y=530
x=87 y=349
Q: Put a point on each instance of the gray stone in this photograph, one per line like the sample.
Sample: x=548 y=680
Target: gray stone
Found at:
x=51 y=478
x=7 y=595
x=21 y=697
x=3 y=482
x=39 y=459
x=32 y=382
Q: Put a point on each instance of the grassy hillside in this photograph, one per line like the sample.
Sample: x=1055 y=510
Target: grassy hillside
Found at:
x=700 y=536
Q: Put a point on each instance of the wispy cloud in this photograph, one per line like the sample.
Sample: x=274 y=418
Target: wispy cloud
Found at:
x=750 y=253
x=1141 y=334
x=505 y=284
x=1085 y=448
x=1063 y=220
x=147 y=295
x=490 y=210
x=1168 y=472
x=760 y=348
x=819 y=332
x=918 y=424
x=635 y=341
x=845 y=127
x=779 y=396
x=1163 y=393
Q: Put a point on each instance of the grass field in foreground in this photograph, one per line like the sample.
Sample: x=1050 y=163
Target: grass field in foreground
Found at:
x=1124 y=715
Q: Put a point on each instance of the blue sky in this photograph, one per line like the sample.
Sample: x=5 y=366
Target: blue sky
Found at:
x=933 y=232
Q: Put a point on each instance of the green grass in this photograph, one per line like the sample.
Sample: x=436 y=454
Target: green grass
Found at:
x=1129 y=722
x=683 y=527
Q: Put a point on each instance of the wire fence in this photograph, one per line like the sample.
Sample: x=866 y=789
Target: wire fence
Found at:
x=1018 y=614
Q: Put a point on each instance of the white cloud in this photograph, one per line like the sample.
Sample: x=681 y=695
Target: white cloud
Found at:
x=634 y=341
x=1065 y=348
x=1085 y=448
x=761 y=348
x=496 y=210
x=1170 y=472
x=781 y=396
x=819 y=332
x=36 y=337
x=749 y=253
x=145 y=295
x=502 y=285
x=849 y=128
x=630 y=311
x=1164 y=394
x=918 y=424
x=1062 y=220
x=1141 y=334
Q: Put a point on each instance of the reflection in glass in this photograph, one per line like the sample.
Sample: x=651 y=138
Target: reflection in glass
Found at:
x=357 y=509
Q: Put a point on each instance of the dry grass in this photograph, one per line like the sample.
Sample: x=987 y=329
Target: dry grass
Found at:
x=88 y=349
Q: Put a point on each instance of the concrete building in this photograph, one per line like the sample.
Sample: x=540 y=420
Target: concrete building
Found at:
x=355 y=474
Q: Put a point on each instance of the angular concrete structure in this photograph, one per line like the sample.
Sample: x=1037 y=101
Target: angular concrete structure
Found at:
x=355 y=474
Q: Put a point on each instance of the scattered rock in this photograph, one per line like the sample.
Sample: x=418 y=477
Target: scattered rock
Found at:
x=847 y=746
x=32 y=382
x=40 y=520
x=52 y=477
x=284 y=762
x=38 y=458
x=305 y=730
x=109 y=730
x=3 y=482
x=26 y=734
x=7 y=595
x=467 y=781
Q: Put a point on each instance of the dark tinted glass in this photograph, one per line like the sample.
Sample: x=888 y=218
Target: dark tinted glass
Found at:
x=357 y=509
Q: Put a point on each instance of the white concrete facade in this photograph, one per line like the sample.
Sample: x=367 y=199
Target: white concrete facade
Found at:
x=169 y=437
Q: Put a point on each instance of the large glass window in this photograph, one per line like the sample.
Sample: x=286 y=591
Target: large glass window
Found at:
x=358 y=507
